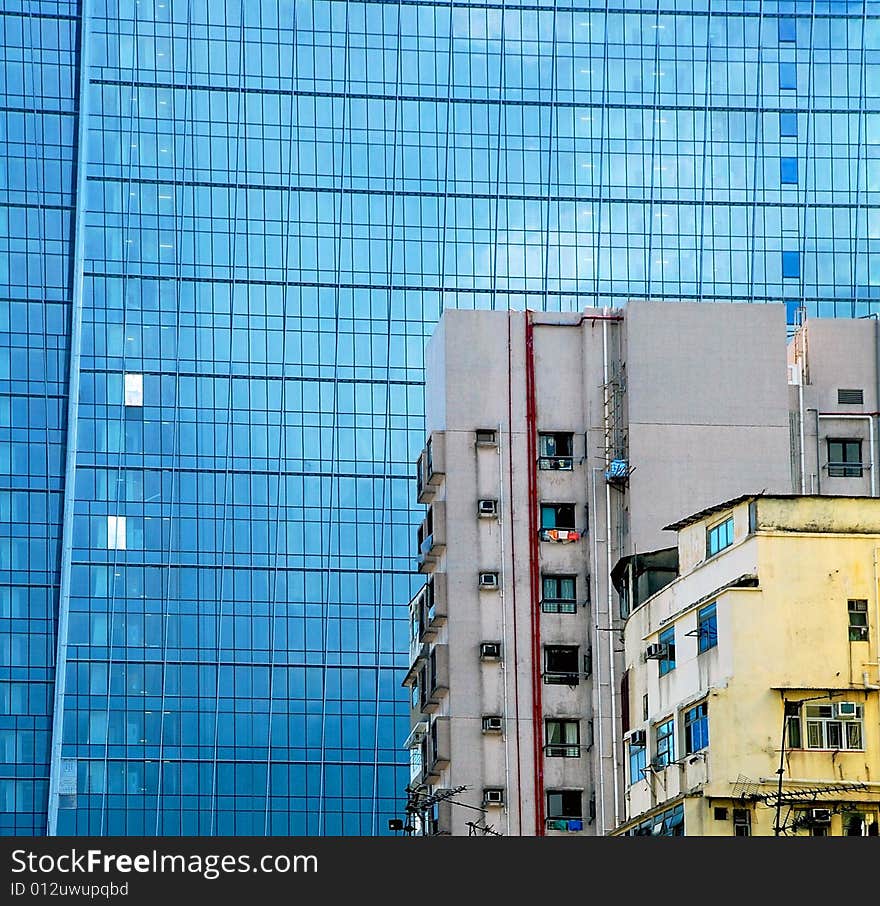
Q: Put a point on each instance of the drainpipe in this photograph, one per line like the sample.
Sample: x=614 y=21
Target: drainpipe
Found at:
x=535 y=576
x=512 y=572
x=609 y=599
x=818 y=455
x=599 y=714
x=800 y=350
x=504 y=678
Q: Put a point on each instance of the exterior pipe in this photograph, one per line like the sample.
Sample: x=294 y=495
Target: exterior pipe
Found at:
x=877 y=617
x=513 y=574
x=818 y=455
x=537 y=704
x=597 y=668
x=610 y=600
x=505 y=704
x=800 y=351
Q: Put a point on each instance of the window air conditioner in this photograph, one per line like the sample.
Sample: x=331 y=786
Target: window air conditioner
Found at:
x=487 y=509
x=741 y=817
x=490 y=650
x=489 y=581
x=845 y=710
x=657 y=651
x=820 y=815
x=493 y=724
x=494 y=796
x=638 y=738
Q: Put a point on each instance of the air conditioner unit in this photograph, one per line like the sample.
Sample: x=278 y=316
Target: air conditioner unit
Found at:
x=493 y=724
x=657 y=651
x=819 y=815
x=487 y=509
x=490 y=650
x=493 y=796
x=638 y=738
x=845 y=710
x=741 y=817
x=488 y=581
x=485 y=437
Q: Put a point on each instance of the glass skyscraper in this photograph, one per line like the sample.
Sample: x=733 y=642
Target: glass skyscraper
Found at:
x=226 y=230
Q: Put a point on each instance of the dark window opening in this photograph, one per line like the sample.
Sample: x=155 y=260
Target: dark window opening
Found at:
x=742 y=822
x=562 y=738
x=564 y=804
x=857 y=609
x=844 y=458
x=561 y=664
x=558 y=516
x=558 y=594
x=556 y=450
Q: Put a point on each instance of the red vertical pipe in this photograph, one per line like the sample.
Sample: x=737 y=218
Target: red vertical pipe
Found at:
x=534 y=576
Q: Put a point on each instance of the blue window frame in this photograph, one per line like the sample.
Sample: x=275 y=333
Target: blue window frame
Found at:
x=667 y=664
x=707 y=628
x=787 y=30
x=664 y=824
x=696 y=728
x=788 y=171
x=664 y=743
x=791 y=264
x=787 y=75
x=719 y=537
x=788 y=125
x=637 y=763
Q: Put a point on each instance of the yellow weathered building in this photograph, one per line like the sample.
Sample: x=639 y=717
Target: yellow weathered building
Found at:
x=771 y=623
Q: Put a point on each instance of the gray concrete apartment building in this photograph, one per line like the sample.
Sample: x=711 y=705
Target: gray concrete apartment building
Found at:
x=558 y=446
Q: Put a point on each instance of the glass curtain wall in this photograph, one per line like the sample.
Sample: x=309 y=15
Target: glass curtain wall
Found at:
x=279 y=199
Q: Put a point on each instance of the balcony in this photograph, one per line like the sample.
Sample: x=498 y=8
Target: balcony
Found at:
x=431 y=467
x=560 y=536
x=418 y=657
x=414 y=745
x=438 y=822
x=556 y=463
x=572 y=825
x=435 y=676
x=558 y=605
x=431 y=537
x=437 y=602
x=429 y=607
x=558 y=523
x=439 y=744
x=562 y=750
x=559 y=678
